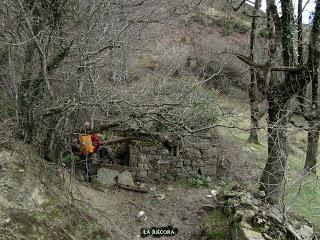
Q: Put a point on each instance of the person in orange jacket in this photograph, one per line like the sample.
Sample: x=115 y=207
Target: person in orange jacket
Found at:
x=90 y=143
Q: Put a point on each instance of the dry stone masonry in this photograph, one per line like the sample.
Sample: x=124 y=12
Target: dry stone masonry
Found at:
x=168 y=161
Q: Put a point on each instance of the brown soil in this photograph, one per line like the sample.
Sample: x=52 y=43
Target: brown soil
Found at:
x=117 y=210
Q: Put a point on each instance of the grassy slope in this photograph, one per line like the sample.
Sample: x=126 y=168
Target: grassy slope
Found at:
x=304 y=200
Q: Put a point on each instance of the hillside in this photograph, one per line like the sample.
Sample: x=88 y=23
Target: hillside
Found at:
x=119 y=117
x=35 y=203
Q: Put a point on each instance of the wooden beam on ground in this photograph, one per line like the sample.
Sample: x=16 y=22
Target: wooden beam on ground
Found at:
x=119 y=140
x=134 y=189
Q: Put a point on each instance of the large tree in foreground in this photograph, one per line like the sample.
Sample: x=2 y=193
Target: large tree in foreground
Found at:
x=279 y=94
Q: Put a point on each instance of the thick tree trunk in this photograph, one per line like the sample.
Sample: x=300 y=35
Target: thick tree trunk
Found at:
x=312 y=149
x=272 y=179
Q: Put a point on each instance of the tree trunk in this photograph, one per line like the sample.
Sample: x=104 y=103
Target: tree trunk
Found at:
x=312 y=149
x=272 y=179
x=253 y=138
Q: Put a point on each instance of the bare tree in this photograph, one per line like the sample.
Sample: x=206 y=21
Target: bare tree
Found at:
x=253 y=81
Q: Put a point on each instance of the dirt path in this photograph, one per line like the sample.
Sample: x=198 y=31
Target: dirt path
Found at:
x=117 y=209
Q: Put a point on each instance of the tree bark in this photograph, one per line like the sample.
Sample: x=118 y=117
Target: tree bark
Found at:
x=253 y=138
x=272 y=179
x=279 y=93
x=312 y=149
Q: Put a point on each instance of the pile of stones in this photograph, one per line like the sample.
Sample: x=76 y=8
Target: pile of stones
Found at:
x=252 y=219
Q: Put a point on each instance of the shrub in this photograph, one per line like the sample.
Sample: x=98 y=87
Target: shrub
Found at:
x=68 y=159
x=199 y=181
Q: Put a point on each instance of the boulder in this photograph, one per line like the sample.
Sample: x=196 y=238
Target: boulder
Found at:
x=251 y=235
x=306 y=232
x=126 y=179
x=241 y=233
x=107 y=177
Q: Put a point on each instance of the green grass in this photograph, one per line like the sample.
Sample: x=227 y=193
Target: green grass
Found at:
x=216 y=225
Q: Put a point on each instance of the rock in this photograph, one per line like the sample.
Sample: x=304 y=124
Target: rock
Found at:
x=153 y=189
x=209 y=155
x=240 y=233
x=231 y=194
x=247 y=199
x=6 y=221
x=126 y=179
x=154 y=175
x=165 y=151
x=248 y=215
x=107 y=177
x=214 y=192
x=261 y=194
x=245 y=225
x=266 y=236
x=191 y=154
x=238 y=215
x=142 y=158
x=141 y=216
x=306 y=232
x=179 y=164
x=169 y=188
x=143 y=174
x=160 y=196
x=210 y=170
x=275 y=215
x=293 y=231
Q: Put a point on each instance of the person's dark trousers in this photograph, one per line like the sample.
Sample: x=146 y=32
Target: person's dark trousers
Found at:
x=87 y=162
x=104 y=155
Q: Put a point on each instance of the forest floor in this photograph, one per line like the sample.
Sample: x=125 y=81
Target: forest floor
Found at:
x=117 y=209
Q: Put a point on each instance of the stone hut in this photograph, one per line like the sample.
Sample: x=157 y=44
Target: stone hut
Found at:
x=171 y=159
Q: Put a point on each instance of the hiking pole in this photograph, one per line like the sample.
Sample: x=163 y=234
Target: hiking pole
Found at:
x=87 y=167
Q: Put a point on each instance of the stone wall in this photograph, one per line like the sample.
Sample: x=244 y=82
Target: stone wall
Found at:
x=157 y=160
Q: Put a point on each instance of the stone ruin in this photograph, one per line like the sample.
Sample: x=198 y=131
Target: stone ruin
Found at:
x=165 y=159
x=169 y=160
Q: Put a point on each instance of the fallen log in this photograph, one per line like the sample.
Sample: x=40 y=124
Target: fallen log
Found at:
x=119 y=140
x=134 y=189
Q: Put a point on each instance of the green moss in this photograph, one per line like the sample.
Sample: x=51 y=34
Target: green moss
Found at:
x=216 y=225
